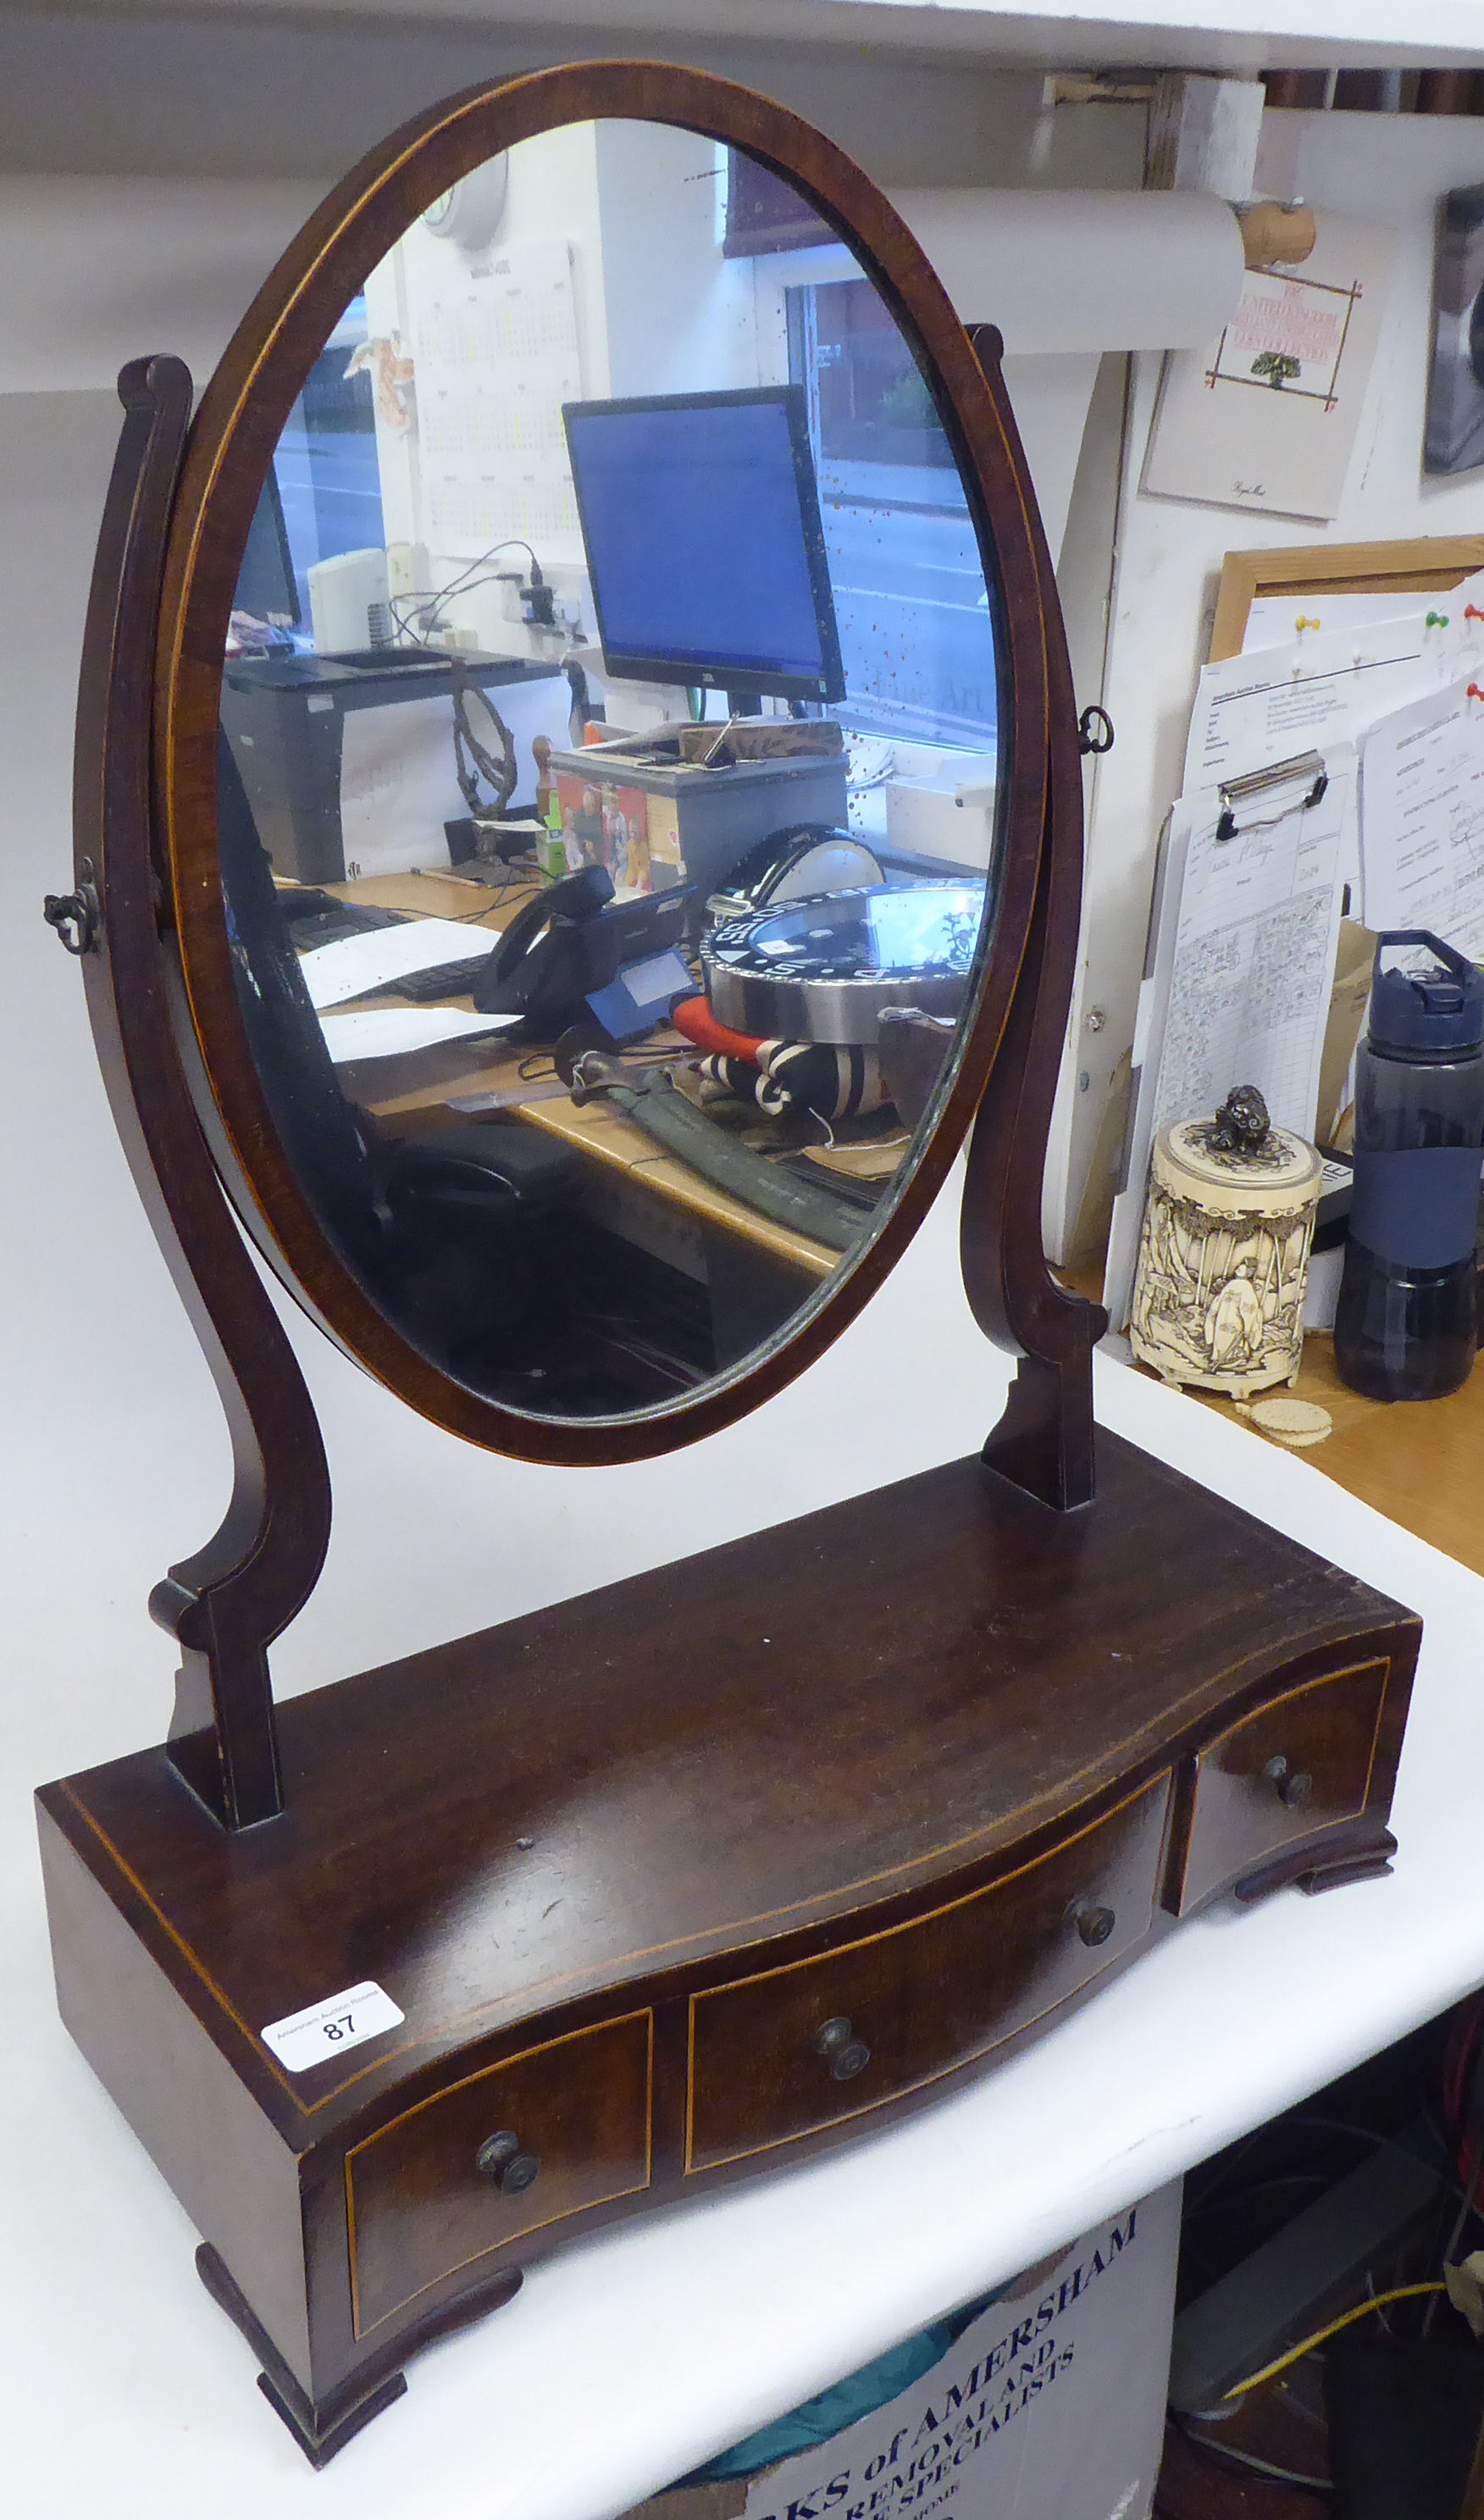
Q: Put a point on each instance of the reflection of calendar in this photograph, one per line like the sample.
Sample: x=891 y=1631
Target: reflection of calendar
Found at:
x=496 y=356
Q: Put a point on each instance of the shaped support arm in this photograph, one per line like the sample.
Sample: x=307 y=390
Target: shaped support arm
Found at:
x=227 y=1603
x=1044 y=1442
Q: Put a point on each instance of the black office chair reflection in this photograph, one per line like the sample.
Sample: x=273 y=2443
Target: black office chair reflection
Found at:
x=453 y=1233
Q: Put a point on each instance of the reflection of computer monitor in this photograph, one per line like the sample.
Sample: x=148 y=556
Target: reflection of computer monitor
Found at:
x=265 y=585
x=700 y=522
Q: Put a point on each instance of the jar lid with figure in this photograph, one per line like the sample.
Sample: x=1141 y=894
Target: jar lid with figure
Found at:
x=1223 y=1252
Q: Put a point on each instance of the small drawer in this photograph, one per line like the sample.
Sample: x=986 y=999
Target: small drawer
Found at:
x=562 y=2128
x=1297 y=1766
x=792 y=2049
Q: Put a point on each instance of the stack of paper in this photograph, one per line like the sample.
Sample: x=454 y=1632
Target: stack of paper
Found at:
x=1349 y=760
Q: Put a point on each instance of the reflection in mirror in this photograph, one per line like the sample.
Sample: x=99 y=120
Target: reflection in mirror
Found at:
x=607 y=771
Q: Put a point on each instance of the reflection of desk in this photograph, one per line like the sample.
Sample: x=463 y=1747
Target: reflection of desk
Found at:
x=423 y=1090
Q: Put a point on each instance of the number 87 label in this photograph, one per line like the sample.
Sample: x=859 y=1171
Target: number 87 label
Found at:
x=330 y=2027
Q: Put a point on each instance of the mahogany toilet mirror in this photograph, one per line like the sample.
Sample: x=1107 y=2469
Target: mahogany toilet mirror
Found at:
x=685 y=643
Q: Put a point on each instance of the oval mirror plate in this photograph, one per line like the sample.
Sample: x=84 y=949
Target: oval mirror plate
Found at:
x=612 y=754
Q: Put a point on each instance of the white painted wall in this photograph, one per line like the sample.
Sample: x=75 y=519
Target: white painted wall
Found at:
x=1387 y=168
x=96 y=269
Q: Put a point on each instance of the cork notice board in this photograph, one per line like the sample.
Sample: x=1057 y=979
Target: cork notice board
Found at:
x=1426 y=567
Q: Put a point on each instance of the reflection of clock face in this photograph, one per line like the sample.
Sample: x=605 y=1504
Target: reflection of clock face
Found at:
x=469 y=213
x=822 y=969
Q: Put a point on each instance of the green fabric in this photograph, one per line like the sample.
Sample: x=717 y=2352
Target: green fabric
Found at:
x=820 y=2418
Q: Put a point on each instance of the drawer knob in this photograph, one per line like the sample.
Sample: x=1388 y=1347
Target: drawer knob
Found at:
x=501 y=2160
x=1292 y=1786
x=1094 y=1924
x=844 y=2055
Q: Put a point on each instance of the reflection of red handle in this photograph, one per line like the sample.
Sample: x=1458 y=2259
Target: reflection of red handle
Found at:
x=693 y=1018
x=1471 y=612
x=1473 y=693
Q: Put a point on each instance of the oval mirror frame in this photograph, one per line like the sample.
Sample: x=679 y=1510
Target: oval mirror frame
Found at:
x=231 y=444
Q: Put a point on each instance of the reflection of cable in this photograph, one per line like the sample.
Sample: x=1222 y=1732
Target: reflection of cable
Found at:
x=1470 y=2198
x=439 y=597
x=515 y=878
x=433 y=597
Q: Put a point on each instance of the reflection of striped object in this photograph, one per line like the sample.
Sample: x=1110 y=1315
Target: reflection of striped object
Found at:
x=835 y=1084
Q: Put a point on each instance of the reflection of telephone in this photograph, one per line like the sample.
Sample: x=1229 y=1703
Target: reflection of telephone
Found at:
x=570 y=943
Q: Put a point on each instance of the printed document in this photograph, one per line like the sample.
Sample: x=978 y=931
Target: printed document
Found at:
x=1422 y=819
x=1256 y=709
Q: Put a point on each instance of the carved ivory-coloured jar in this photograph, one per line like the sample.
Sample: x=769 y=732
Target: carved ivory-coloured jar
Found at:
x=1223 y=1258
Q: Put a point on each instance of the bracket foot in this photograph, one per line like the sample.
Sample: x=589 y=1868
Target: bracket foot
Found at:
x=319 y=2429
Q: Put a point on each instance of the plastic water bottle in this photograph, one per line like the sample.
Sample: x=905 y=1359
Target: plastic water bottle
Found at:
x=1405 y=1326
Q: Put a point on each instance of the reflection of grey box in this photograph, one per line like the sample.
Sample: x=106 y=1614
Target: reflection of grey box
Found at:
x=698 y=823
x=946 y=815
x=284 y=717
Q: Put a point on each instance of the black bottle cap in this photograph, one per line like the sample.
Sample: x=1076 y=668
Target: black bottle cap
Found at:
x=1417 y=1011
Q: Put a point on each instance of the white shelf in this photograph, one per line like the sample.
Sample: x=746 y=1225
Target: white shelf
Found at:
x=1237 y=35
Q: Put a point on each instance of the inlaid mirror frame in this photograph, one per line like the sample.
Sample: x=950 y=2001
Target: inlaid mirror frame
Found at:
x=227 y=455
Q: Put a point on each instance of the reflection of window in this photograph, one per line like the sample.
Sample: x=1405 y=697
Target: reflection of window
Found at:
x=916 y=627
x=327 y=474
x=870 y=401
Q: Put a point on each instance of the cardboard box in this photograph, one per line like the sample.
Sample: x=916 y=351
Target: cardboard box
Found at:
x=1050 y=2406
x=654 y=824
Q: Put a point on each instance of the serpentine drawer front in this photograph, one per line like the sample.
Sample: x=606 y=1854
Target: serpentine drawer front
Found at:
x=1300 y=1762
x=792 y=2050
x=521 y=2144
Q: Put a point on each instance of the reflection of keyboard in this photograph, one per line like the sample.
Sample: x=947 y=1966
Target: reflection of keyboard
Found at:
x=443 y=979
x=317 y=919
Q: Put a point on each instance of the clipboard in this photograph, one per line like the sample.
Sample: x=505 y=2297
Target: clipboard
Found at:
x=1238 y=966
